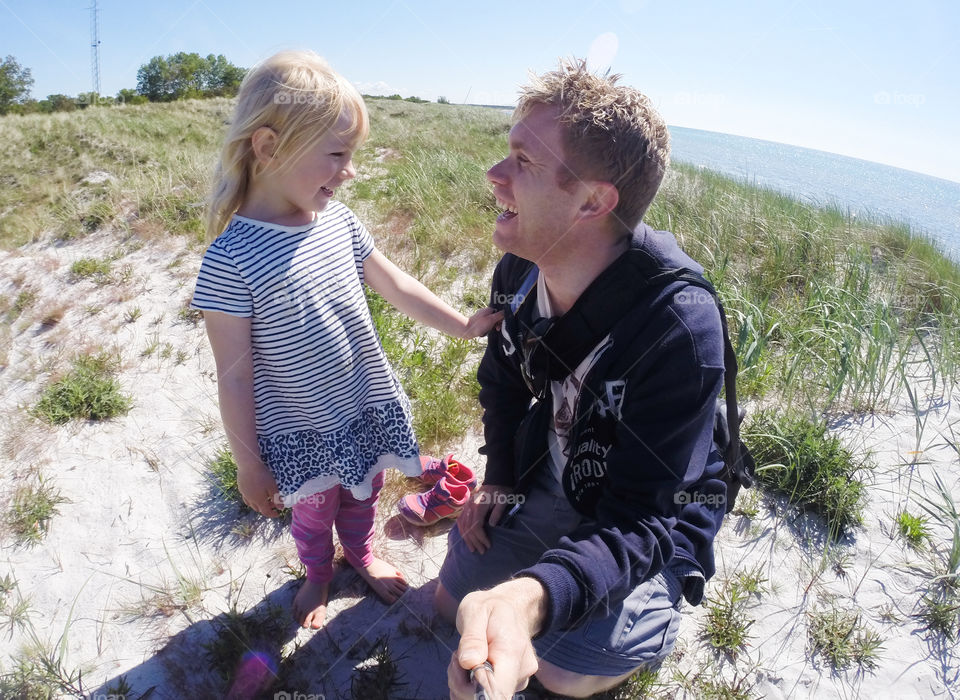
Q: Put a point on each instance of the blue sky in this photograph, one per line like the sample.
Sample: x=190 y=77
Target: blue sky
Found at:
x=874 y=80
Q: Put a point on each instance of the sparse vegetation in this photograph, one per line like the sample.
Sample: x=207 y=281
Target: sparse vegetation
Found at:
x=96 y=268
x=639 y=685
x=182 y=594
x=913 y=529
x=31 y=508
x=15 y=614
x=24 y=299
x=944 y=510
x=223 y=467
x=380 y=677
x=133 y=315
x=828 y=314
x=798 y=458
x=751 y=581
x=190 y=316
x=708 y=684
x=726 y=625
x=840 y=637
x=89 y=391
x=940 y=609
x=245 y=638
x=40 y=670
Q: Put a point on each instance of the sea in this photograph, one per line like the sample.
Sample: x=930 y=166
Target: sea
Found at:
x=930 y=205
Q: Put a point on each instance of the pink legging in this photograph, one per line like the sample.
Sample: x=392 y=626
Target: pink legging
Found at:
x=313 y=520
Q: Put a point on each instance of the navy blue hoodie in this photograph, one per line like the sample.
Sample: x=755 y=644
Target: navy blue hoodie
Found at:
x=643 y=469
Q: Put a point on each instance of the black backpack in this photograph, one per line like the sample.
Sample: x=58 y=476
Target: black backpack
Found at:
x=740 y=467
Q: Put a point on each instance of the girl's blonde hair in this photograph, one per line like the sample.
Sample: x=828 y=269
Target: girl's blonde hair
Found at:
x=300 y=97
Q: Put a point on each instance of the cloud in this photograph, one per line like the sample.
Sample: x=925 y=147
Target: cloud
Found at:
x=377 y=88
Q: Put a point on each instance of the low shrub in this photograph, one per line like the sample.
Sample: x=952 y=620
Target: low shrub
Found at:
x=798 y=458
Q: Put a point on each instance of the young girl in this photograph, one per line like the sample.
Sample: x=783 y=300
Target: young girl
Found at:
x=312 y=410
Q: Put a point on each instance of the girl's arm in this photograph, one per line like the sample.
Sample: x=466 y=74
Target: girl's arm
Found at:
x=413 y=299
x=230 y=339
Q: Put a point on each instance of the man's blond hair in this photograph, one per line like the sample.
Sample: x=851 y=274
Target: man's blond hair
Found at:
x=612 y=133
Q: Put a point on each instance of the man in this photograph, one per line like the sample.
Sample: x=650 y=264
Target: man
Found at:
x=601 y=497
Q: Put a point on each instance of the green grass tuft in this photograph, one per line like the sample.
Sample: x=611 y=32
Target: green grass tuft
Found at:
x=240 y=634
x=840 y=637
x=96 y=268
x=726 y=625
x=15 y=613
x=438 y=374
x=798 y=458
x=380 y=677
x=31 y=509
x=223 y=467
x=913 y=529
x=940 y=609
x=89 y=391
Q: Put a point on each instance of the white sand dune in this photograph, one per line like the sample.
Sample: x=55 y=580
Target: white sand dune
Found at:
x=138 y=570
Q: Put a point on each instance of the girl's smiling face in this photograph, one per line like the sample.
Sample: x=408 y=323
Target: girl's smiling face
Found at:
x=298 y=185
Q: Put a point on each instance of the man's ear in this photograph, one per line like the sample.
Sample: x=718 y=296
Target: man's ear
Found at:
x=602 y=198
x=264 y=144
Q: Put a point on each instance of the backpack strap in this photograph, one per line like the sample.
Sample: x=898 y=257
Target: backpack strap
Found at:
x=528 y=282
x=732 y=456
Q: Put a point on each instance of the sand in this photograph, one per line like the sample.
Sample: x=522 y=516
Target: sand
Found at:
x=135 y=577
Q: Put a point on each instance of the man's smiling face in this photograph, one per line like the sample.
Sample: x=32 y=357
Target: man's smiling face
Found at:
x=538 y=213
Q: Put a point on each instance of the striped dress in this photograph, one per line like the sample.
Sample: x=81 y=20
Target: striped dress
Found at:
x=330 y=409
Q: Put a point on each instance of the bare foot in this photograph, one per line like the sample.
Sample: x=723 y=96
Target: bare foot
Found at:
x=310 y=604
x=385 y=580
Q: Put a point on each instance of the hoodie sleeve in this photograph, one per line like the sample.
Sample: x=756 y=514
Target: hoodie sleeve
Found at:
x=503 y=394
x=661 y=445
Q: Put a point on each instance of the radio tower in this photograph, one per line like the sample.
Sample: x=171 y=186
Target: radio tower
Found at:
x=95 y=48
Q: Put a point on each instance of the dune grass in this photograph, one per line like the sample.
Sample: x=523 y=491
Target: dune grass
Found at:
x=31 y=508
x=223 y=469
x=841 y=638
x=829 y=313
x=803 y=462
x=89 y=391
x=913 y=529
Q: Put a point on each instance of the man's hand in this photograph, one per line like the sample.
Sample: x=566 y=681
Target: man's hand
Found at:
x=259 y=489
x=497 y=626
x=473 y=517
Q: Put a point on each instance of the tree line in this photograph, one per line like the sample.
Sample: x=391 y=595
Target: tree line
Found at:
x=161 y=79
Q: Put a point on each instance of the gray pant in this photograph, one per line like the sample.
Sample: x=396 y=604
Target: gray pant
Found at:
x=639 y=633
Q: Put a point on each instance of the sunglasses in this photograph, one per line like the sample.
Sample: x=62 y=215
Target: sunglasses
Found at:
x=534 y=353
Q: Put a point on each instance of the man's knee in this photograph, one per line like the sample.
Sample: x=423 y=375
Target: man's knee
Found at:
x=445 y=604
x=562 y=682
